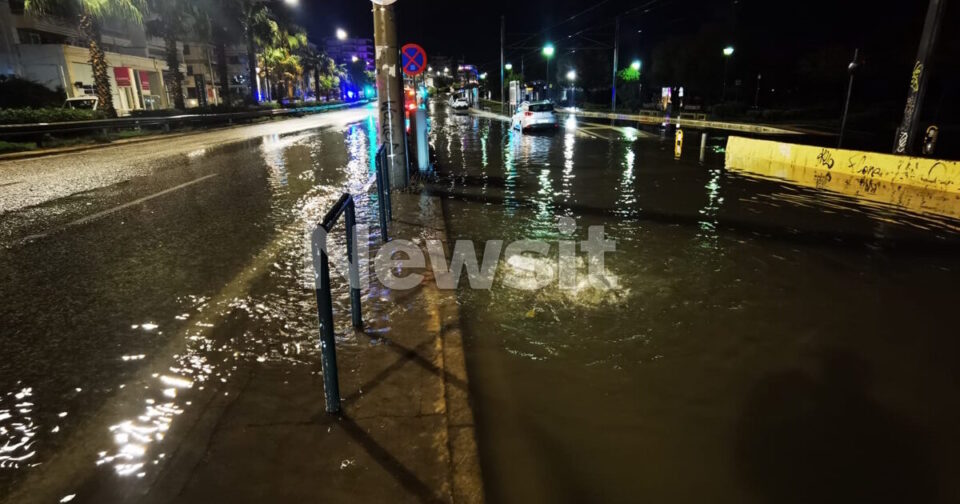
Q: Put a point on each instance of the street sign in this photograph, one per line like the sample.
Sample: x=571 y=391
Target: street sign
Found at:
x=413 y=59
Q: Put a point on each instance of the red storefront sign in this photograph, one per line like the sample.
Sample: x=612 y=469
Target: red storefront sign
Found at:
x=145 y=80
x=122 y=75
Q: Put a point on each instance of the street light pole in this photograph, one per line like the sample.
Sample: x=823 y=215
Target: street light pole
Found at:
x=756 y=99
x=390 y=89
x=637 y=65
x=503 y=31
x=727 y=53
x=846 y=106
x=548 y=53
x=616 y=56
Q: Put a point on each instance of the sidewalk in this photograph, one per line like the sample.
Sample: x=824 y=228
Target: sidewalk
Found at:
x=406 y=433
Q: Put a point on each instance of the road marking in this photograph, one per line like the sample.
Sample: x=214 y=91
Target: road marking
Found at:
x=93 y=217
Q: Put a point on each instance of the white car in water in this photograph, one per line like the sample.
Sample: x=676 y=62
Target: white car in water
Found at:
x=459 y=104
x=535 y=115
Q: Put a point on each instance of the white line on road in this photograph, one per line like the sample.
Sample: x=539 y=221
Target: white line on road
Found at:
x=93 y=217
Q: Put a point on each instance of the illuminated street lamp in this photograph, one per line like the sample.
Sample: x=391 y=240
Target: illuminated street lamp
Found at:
x=292 y=3
x=354 y=58
x=508 y=66
x=727 y=53
x=341 y=34
x=548 y=51
x=483 y=76
x=572 y=75
x=446 y=70
x=636 y=66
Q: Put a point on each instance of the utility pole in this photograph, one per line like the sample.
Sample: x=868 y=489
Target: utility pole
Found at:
x=390 y=89
x=907 y=132
x=756 y=99
x=503 y=37
x=616 y=57
x=846 y=106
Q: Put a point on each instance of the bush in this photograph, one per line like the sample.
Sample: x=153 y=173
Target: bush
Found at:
x=40 y=115
x=22 y=93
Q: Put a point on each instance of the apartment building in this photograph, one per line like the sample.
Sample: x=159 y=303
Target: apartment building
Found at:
x=51 y=51
x=344 y=51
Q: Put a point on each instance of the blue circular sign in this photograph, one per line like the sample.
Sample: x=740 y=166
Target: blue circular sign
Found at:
x=413 y=59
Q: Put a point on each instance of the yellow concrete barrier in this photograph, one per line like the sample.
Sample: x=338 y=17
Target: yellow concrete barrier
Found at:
x=927 y=186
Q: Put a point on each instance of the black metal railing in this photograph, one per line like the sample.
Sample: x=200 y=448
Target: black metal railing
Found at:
x=346 y=207
x=328 y=345
x=383 y=191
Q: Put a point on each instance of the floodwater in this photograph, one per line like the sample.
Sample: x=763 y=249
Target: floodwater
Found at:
x=763 y=342
x=119 y=323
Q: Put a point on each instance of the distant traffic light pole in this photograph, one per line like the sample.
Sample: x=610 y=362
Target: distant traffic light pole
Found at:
x=907 y=132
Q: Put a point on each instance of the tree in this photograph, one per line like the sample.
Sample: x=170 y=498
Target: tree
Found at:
x=90 y=14
x=172 y=20
x=260 y=30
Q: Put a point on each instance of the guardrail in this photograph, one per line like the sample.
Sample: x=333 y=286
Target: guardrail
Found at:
x=18 y=130
x=346 y=207
x=691 y=123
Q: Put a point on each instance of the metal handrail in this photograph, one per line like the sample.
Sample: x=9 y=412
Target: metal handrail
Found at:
x=383 y=191
x=346 y=207
x=328 y=344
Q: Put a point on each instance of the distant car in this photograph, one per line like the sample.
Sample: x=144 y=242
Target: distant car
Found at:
x=459 y=104
x=82 y=103
x=535 y=115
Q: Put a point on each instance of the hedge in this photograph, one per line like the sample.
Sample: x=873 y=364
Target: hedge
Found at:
x=46 y=115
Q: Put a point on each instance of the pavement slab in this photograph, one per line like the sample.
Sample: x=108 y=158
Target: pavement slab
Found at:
x=406 y=431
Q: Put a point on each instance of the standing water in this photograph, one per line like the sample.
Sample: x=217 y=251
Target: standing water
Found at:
x=764 y=342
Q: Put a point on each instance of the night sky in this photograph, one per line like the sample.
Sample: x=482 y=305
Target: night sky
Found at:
x=771 y=36
x=471 y=29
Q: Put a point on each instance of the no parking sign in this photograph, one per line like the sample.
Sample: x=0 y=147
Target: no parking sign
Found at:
x=413 y=59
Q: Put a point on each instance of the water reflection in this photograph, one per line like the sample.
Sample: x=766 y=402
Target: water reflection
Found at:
x=17 y=428
x=708 y=233
x=724 y=282
x=259 y=312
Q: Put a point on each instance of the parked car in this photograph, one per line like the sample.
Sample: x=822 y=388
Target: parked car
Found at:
x=82 y=103
x=535 y=115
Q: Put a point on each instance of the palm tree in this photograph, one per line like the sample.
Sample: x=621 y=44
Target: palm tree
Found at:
x=174 y=20
x=90 y=14
x=223 y=24
x=261 y=31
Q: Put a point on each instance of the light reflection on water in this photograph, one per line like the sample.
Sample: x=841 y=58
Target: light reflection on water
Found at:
x=729 y=288
x=263 y=314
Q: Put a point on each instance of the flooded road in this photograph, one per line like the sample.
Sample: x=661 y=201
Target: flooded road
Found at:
x=135 y=295
x=765 y=342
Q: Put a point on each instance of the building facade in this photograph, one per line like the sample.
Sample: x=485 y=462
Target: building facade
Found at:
x=51 y=51
x=343 y=51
